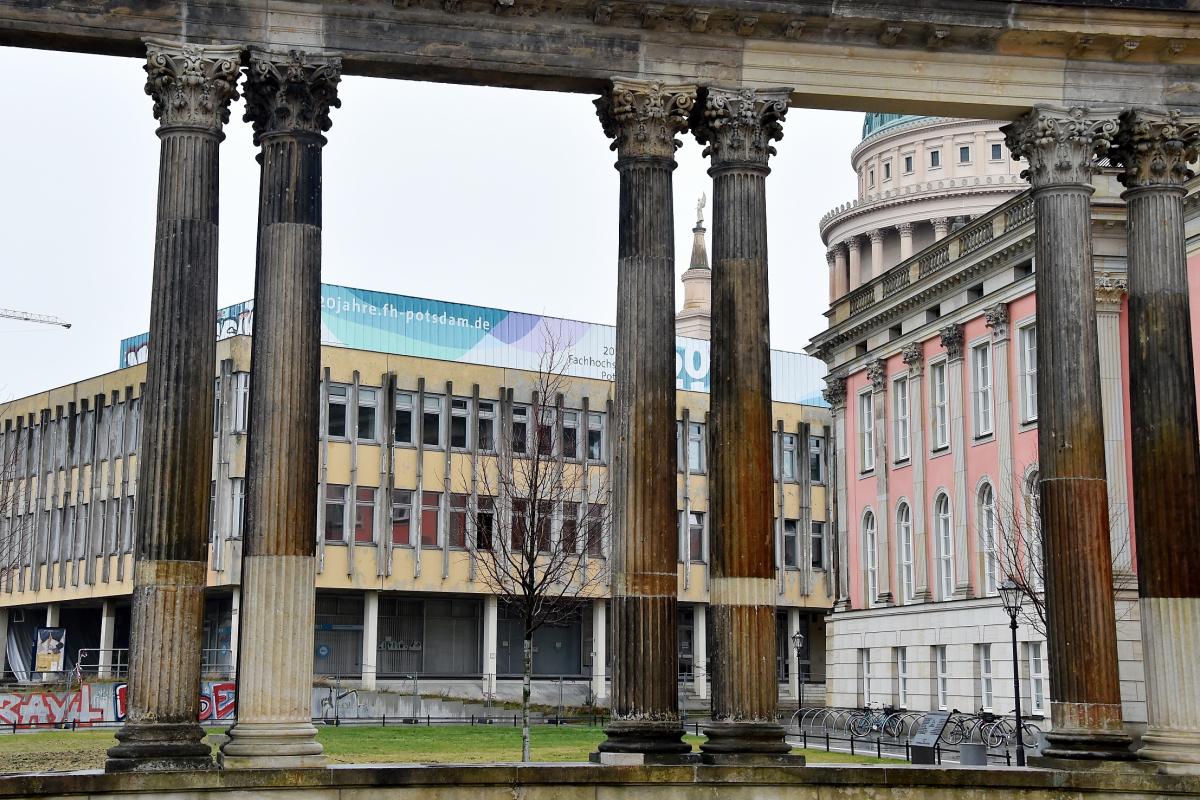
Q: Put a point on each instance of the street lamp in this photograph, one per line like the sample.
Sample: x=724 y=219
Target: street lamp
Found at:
x=798 y=645
x=1011 y=595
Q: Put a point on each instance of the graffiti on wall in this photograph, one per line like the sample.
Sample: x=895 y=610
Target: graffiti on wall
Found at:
x=95 y=703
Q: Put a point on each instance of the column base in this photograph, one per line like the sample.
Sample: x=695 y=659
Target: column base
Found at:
x=1077 y=745
x=159 y=747
x=1174 y=752
x=272 y=745
x=644 y=736
x=752 y=760
x=744 y=738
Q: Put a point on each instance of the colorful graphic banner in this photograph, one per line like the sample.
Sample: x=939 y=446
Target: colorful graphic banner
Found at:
x=390 y=323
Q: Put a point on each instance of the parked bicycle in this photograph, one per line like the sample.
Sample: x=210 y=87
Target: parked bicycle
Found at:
x=877 y=719
x=1002 y=732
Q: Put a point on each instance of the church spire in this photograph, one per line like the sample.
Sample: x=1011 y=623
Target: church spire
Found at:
x=699 y=251
x=695 y=318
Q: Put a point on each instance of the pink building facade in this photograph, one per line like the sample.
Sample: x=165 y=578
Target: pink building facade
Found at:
x=933 y=385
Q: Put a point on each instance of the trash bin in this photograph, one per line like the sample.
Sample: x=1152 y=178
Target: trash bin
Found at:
x=972 y=755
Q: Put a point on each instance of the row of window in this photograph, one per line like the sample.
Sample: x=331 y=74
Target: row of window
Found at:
x=935 y=161
x=692 y=453
x=694 y=548
x=982 y=401
x=984 y=678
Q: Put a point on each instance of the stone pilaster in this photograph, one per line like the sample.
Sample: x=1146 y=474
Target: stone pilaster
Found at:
x=997 y=320
x=643 y=118
x=738 y=127
x=952 y=341
x=914 y=357
x=1110 y=296
x=1155 y=150
x=835 y=394
x=192 y=88
x=877 y=372
x=1060 y=146
x=288 y=99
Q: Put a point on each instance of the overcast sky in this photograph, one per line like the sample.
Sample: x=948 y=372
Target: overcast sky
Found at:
x=496 y=197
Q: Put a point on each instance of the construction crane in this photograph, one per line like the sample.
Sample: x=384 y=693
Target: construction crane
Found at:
x=44 y=319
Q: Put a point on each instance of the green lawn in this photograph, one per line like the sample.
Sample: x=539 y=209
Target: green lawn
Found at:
x=66 y=750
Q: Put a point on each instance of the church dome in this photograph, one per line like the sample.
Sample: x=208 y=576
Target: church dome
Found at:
x=873 y=123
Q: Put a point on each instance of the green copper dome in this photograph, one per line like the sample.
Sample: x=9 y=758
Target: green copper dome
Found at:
x=874 y=123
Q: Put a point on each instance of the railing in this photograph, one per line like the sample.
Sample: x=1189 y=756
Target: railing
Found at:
x=933 y=261
x=863 y=298
x=895 y=281
x=1019 y=214
x=974 y=238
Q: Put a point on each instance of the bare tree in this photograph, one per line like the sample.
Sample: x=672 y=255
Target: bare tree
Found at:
x=1017 y=543
x=540 y=512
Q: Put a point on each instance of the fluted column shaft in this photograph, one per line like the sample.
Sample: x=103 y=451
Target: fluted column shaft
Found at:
x=643 y=118
x=162 y=731
x=1081 y=626
x=288 y=100
x=1155 y=151
x=738 y=126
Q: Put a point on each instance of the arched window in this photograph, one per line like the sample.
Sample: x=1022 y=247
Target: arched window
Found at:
x=870 y=557
x=944 y=528
x=1035 y=566
x=987 y=539
x=904 y=535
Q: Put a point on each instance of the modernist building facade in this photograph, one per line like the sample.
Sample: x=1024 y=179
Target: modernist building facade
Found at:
x=416 y=397
x=933 y=358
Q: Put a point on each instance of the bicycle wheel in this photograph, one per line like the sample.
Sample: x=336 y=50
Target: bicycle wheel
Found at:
x=892 y=726
x=954 y=732
x=1031 y=735
x=860 y=725
x=995 y=734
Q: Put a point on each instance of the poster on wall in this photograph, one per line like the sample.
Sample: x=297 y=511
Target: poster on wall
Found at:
x=49 y=649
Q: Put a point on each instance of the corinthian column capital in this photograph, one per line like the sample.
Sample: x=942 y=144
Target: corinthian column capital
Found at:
x=192 y=86
x=738 y=125
x=1155 y=149
x=1110 y=290
x=643 y=117
x=291 y=92
x=1059 y=144
x=835 y=391
x=952 y=340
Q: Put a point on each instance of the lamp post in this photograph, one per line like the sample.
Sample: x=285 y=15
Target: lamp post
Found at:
x=798 y=644
x=1011 y=596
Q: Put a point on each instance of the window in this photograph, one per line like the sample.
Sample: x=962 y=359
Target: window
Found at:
x=816 y=459
x=1029 y=391
x=887 y=170
x=431 y=505
x=964 y=154
x=485 y=522
x=570 y=434
x=871 y=178
x=568 y=535
x=403 y=433
x=943 y=677
x=431 y=421
x=985 y=677
x=864 y=660
x=935 y=159
x=997 y=153
x=982 y=358
x=335 y=513
x=216 y=406
x=364 y=514
x=543 y=523
x=595 y=530
x=402 y=500
x=1037 y=678
x=788 y=467
x=696 y=460
x=818 y=545
x=870 y=558
x=900 y=418
x=866 y=432
x=901 y=677
x=367 y=413
x=238 y=512
x=458 y=519
x=1033 y=526
x=696 y=536
x=595 y=437
x=336 y=411
x=460 y=418
x=904 y=534
x=790 y=545
x=241 y=401
x=941 y=421
x=520 y=525
x=908 y=165
x=545 y=433
x=945 y=545
x=987 y=536
x=486 y=436
x=520 y=429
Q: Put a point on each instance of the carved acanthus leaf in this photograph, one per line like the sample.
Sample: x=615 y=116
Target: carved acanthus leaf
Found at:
x=1111 y=289
x=914 y=356
x=192 y=85
x=738 y=125
x=1155 y=149
x=643 y=117
x=835 y=391
x=291 y=93
x=877 y=374
x=952 y=340
x=1059 y=144
x=997 y=320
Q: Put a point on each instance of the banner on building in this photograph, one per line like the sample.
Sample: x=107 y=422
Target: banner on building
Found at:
x=412 y=326
x=49 y=649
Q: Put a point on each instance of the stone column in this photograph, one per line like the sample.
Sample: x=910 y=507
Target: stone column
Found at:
x=835 y=394
x=491 y=614
x=876 y=237
x=643 y=118
x=738 y=126
x=1155 y=150
x=831 y=262
x=599 y=648
x=914 y=357
x=941 y=228
x=854 y=248
x=877 y=372
x=288 y=98
x=1085 y=703
x=905 y=229
x=1110 y=297
x=700 y=654
x=370 y=641
x=952 y=340
x=793 y=656
x=840 y=271
x=192 y=88
x=235 y=627
x=108 y=624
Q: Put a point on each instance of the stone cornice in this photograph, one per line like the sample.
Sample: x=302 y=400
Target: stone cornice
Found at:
x=925 y=124
x=957 y=187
